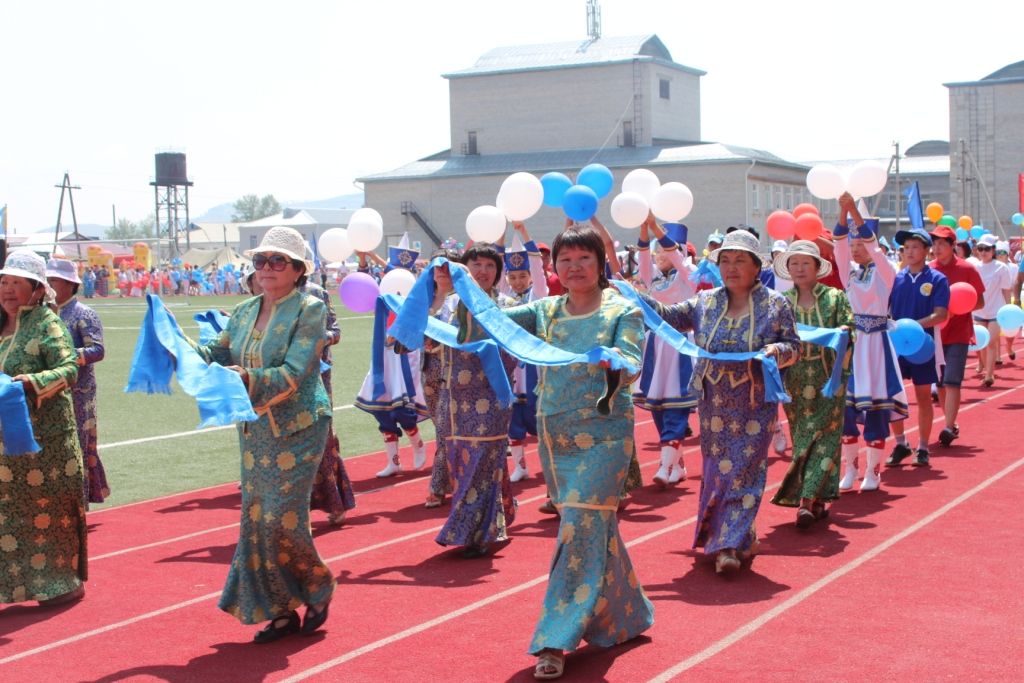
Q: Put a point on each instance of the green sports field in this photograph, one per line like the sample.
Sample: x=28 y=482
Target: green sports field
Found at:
x=149 y=444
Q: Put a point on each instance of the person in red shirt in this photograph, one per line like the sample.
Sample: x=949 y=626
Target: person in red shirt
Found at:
x=554 y=284
x=958 y=332
x=824 y=242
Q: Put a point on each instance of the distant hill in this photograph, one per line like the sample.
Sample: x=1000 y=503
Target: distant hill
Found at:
x=87 y=229
x=222 y=212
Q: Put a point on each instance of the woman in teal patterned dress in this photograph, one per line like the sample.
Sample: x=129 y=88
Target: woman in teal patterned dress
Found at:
x=274 y=342
x=42 y=514
x=736 y=423
x=593 y=594
x=815 y=421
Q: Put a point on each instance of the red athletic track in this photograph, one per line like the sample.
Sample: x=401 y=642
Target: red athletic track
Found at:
x=919 y=581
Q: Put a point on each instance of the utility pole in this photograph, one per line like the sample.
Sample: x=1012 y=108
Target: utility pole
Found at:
x=899 y=192
x=68 y=187
x=964 y=206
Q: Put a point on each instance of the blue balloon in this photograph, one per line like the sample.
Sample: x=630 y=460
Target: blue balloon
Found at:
x=555 y=186
x=579 y=203
x=597 y=177
x=977 y=231
x=1010 y=317
x=981 y=336
x=1017 y=218
x=907 y=336
x=923 y=354
x=962 y=235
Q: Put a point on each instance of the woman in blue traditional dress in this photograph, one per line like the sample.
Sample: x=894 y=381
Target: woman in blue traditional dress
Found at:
x=663 y=387
x=736 y=422
x=87 y=335
x=476 y=432
x=274 y=341
x=593 y=594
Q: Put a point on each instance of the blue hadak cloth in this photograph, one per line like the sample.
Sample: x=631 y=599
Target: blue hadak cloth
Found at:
x=15 y=424
x=220 y=394
x=211 y=324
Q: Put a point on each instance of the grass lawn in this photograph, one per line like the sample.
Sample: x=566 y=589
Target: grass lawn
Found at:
x=137 y=471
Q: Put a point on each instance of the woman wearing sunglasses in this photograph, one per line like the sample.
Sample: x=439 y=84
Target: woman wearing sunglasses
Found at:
x=274 y=341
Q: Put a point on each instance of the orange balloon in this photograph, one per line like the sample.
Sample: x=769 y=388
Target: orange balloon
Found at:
x=806 y=207
x=780 y=225
x=965 y=222
x=934 y=211
x=809 y=226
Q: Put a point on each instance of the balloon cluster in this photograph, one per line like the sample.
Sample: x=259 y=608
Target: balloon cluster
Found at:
x=364 y=233
x=865 y=179
x=643 y=194
x=578 y=200
x=803 y=222
x=964 y=226
x=911 y=341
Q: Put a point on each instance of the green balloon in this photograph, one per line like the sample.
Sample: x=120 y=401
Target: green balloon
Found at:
x=948 y=220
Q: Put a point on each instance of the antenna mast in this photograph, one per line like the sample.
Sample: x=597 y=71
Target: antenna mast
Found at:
x=593 y=19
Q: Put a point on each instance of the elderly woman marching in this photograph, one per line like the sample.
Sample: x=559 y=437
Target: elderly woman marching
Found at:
x=815 y=420
x=274 y=341
x=42 y=494
x=736 y=422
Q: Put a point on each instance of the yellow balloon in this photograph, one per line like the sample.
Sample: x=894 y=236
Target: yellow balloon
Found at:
x=965 y=222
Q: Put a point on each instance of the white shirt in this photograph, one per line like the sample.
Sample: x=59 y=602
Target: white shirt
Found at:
x=997 y=276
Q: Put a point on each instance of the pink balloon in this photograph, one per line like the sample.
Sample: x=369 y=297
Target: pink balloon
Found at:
x=962 y=298
x=809 y=226
x=781 y=225
x=359 y=291
x=806 y=207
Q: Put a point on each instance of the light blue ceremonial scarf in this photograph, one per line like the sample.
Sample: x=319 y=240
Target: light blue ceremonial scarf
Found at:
x=774 y=392
x=220 y=395
x=411 y=323
x=831 y=338
x=707 y=271
x=211 y=324
x=15 y=424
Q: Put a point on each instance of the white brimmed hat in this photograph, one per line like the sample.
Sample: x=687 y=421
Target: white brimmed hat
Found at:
x=779 y=246
x=28 y=264
x=63 y=269
x=282 y=240
x=738 y=240
x=801 y=248
x=988 y=240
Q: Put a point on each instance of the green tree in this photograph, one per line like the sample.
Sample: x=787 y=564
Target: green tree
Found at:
x=132 y=230
x=251 y=208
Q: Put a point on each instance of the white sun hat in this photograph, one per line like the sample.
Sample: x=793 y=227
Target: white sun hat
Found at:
x=282 y=240
x=801 y=248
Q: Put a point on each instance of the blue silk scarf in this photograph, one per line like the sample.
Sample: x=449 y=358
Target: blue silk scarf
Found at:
x=211 y=324
x=830 y=338
x=162 y=348
x=15 y=424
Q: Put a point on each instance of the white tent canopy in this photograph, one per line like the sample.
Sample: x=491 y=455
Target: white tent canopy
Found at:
x=202 y=258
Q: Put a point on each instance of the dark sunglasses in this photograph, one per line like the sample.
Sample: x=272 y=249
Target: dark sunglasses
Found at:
x=277 y=262
x=980 y=248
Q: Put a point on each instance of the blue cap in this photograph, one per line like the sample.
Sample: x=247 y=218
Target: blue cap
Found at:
x=916 y=233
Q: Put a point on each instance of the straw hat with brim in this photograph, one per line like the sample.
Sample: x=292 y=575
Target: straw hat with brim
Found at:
x=739 y=240
x=29 y=265
x=282 y=240
x=801 y=248
x=62 y=269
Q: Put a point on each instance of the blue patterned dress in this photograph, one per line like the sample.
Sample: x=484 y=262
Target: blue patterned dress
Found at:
x=593 y=594
x=433 y=385
x=476 y=433
x=736 y=424
x=87 y=335
x=276 y=567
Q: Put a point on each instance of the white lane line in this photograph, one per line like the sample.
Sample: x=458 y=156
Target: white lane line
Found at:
x=154 y=544
x=755 y=624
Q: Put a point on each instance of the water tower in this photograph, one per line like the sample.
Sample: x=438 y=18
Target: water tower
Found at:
x=171 y=190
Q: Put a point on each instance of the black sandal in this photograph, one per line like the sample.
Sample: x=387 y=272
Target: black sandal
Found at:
x=315 y=618
x=273 y=632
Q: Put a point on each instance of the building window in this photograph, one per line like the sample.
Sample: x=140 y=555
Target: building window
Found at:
x=789 y=197
x=754 y=197
x=252 y=241
x=663 y=88
x=471 y=146
x=627 y=134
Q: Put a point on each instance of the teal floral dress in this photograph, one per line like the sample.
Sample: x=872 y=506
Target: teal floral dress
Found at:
x=42 y=495
x=276 y=567
x=593 y=594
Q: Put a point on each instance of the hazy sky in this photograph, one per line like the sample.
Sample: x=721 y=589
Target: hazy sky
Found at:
x=299 y=98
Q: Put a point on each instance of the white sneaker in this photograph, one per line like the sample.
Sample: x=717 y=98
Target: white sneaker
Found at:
x=779 y=442
x=394 y=466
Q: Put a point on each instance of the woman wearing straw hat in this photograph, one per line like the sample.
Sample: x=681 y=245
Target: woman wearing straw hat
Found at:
x=42 y=525
x=87 y=335
x=815 y=420
x=736 y=422
x=274 y=341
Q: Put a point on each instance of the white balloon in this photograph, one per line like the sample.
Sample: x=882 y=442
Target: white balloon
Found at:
x=630 y=210
x=485 y=224
x=398 y=281
x=673 y=202
x=643 y=182
x=825 y=181
x=368 y=214
x=364 y=234
x=520 y=196
x=334 y=244
x=867 y=178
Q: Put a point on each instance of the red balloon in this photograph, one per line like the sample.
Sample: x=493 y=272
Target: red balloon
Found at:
x=962 y=298
x=809 y=226
x=781 y=225
x=806 y=207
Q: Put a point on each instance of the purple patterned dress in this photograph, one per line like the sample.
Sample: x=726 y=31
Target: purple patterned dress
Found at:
x=87 y=335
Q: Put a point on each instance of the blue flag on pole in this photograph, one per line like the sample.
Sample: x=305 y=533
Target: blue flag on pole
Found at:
x=914 y=210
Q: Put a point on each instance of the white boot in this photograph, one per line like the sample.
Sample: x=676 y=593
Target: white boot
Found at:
x=419 y=450
x=394 y=467
x=678 y=469
x=668 y=456
x=849 y=454
x=872 y=477
x=519 y=456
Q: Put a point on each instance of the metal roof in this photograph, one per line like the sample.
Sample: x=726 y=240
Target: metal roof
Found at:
x=445 y=165
x=302 y=218
x=604 y=50
x=1011 y=73
x=909 y=165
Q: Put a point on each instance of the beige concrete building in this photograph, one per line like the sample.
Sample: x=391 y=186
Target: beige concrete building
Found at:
x=986 y=133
